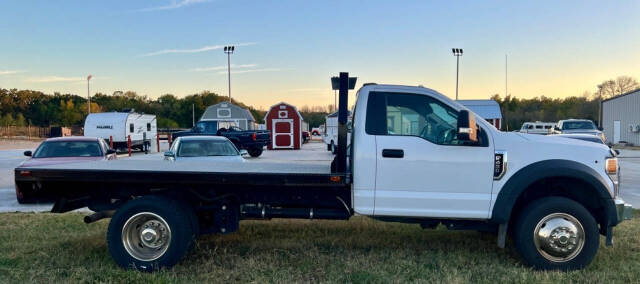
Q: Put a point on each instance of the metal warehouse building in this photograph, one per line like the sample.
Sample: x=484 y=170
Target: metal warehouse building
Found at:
x=621 y=118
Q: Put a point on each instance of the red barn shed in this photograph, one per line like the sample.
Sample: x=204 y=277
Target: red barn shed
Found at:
x=285 y=124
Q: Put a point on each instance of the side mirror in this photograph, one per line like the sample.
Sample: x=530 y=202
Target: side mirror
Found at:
x=556 y=128
x=28 y=153
x=244 y=152
x=467 y=128
x=169 y=154
x=600 y=128
x=111 y=151
x=617 y=152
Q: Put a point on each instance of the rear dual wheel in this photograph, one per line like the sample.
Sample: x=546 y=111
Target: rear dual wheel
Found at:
x=556 y=233
x=151 y=232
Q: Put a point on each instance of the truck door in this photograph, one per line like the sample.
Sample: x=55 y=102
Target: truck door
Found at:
x=422 y=169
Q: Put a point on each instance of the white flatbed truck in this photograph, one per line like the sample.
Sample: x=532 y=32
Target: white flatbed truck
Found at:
x=416 y=156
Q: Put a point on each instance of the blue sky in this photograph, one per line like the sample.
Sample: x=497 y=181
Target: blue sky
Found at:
x=287 y=50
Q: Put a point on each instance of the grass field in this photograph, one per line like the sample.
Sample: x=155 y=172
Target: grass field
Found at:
x=61 y=248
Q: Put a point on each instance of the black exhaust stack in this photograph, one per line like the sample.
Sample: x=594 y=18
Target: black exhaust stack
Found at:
x=344 y=85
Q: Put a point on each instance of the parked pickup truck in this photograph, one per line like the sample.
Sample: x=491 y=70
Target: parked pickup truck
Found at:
x=416 y=157
x=251 y=140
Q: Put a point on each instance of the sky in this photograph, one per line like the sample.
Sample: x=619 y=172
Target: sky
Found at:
x=288 y=50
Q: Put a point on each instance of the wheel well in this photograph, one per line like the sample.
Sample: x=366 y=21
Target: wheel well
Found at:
x=568 y=187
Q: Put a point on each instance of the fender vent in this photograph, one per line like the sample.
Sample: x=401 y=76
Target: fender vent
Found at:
x=499 y=164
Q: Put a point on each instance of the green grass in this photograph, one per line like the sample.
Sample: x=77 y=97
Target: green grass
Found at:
x=61 y=248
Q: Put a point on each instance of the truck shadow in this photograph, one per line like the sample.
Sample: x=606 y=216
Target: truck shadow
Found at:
x=289 y=242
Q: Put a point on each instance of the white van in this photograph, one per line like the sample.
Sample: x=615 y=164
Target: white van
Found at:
x=537 y=127
x=142 y=128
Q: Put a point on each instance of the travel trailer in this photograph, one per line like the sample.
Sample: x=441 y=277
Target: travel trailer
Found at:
x=117 y=127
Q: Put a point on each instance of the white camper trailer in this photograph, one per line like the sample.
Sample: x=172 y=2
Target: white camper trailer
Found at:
x=120 y=125
x=331 y=131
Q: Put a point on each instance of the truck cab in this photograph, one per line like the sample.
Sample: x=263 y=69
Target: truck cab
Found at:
x=408 y=138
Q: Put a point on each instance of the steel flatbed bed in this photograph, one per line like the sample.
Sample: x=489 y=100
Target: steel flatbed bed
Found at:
x=296 y=184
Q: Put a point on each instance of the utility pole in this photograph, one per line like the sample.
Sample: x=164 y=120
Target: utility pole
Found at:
x=506 y=91
x=193 y=115
x=229 y=50
x=88 y=95
x=457 y=52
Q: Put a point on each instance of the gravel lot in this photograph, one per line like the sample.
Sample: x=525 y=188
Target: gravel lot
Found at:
x=314 y=152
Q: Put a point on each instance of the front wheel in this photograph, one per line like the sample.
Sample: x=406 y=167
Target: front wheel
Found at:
x=556 y=233
x=255 y=152
x=150 y=233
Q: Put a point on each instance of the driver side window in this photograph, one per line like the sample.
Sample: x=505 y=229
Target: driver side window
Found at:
x=422 y=116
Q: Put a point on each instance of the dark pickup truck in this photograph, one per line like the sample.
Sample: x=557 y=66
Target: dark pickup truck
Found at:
x=251 y=140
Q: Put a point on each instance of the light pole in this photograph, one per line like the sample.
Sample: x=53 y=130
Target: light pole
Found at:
x=88 y=95
x=229 y=50
x=457 y=52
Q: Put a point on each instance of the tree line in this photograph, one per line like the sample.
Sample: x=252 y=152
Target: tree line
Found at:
x=27 y=107
x=517 y=111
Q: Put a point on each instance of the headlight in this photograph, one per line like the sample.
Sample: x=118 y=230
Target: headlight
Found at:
x=613 y=171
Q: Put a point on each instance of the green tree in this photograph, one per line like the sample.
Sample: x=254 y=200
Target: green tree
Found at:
x=19 y=120
x=6 y=119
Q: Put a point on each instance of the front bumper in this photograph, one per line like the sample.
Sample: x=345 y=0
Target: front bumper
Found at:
x=624 y=210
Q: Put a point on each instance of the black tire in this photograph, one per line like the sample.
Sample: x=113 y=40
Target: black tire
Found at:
x=178 y=216
x=25 y=197
x=25 y=200
x=539 y=210
x=255 y=152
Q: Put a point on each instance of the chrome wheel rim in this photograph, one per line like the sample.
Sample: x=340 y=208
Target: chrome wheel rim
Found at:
x=146 y=236
x=559 y=237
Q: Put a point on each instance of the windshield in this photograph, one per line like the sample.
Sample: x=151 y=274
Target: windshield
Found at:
x=569 y=125
x=205 y=148
x=54 y=149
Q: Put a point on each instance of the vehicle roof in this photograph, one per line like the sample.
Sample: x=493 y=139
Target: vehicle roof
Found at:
x=72 y=138
x=204 y=137
x=538 y=122
x=575 y=119
x=421 y=90
x=575 y=135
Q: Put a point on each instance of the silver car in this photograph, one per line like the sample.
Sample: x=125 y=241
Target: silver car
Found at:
x=578 y=126
x=204 y=148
